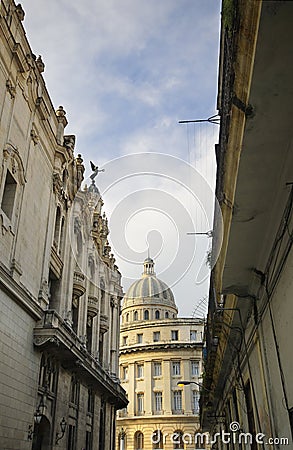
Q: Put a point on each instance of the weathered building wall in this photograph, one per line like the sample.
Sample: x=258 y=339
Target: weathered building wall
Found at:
x=60 y=289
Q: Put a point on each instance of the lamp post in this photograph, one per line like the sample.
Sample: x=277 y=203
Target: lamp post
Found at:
x=187 y=383
x=40 y=411
x=62 y=428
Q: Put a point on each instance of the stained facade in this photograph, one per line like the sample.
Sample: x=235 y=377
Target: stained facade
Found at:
x=249 y=365
x=60 y=289
x=157 y=351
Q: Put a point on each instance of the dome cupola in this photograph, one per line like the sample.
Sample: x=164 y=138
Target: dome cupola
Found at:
x=151 y=294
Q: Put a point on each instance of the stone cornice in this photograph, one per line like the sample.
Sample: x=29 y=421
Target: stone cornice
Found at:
x=160 y=346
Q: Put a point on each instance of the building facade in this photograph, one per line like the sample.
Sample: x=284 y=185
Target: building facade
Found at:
x=60 y=289
x=158 y=350
x=249 y=364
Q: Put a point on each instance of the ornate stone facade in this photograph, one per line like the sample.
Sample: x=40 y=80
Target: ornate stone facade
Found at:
x=60 y=289
x=158 y=350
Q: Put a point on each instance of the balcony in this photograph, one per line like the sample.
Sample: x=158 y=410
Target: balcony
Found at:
x=56 y=264
x=177 y=412
x=78 y=283
x=92 y=306
x=53 y=334
x=104 y=323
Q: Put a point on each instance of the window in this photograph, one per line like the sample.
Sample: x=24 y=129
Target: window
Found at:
x=57 y=227
x=174 y=335
x=157 y=369
x=127 y=317
x=157 y=314
x=48 y=374
x=146 y=315
x=158 y=401
x=157 y=440
x=8 y=197
x=193 y=335
x=177 y=401
x=166 y=315
x=89 y=333
x=124 y=340
x=88 y=440
x=124 y=373
x=71 y=437
x=138 y=440
x=194 y=368
x=74 y=391
x=177 y=439
x=90 y=401
x=139 y=370
x=176 y=368
x=135 y=315
x=250 y=414
x=140 y=409
x=139 y=338
x=195 y=402
x=157 y=336
x=74 y=312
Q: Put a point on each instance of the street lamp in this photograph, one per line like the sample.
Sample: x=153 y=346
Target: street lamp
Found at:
x=62 y=428
x=187 y=383
x=40 y=411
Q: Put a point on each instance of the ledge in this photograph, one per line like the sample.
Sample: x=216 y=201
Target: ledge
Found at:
x=54 y=334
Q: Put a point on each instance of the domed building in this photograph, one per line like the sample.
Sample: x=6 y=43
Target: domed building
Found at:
x=158 y=350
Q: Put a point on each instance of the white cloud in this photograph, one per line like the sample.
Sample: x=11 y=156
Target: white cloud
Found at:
x=126 y=72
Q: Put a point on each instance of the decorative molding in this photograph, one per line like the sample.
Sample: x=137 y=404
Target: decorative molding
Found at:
x=20 y=12
x=13 y=160
x=40 y=64
x=34 y=136
x=10 y=88
x=16 y=267
x=41 y=340
x=5 y=223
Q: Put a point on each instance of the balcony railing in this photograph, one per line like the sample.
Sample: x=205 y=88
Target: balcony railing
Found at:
x=53 y=333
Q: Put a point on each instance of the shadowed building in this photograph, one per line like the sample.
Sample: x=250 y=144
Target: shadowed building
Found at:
x=60 y=289
x=249 y=331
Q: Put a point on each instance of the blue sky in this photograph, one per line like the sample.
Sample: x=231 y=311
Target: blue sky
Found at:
x=126 y=71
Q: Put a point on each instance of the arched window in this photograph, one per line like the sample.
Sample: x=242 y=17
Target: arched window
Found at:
x=177 y=439
x=135 y=315
x=157 y=314
x=127 y=317
x=166 y=315
x=138 y=440
x=146 y=314
x=157 y=440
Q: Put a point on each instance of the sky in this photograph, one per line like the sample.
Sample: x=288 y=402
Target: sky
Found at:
x=126 y=72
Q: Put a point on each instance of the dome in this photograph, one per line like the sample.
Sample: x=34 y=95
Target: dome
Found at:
x=149 y=286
